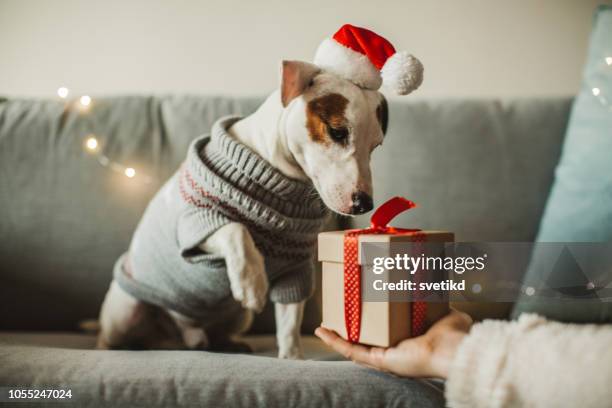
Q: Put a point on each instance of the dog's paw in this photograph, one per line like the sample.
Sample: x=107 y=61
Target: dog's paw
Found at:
x=292 y=353
x=195 y=338
x=251 y=288
x=253 y=292
x=101 y=344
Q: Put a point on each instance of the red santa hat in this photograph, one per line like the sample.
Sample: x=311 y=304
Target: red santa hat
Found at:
x=369 y=60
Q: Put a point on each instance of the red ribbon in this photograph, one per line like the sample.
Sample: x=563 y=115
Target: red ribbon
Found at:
x=352 y=270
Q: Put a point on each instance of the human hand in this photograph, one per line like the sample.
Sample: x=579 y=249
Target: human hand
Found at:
x=429 y=355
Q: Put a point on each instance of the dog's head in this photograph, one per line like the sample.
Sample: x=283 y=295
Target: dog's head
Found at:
x=331 y=127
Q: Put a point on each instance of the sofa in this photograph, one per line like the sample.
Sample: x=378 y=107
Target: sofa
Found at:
x=480 y=168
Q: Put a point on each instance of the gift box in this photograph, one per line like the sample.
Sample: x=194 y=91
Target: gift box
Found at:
x=380 y=323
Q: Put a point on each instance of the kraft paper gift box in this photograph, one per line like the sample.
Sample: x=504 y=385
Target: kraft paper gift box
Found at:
x=380 y=323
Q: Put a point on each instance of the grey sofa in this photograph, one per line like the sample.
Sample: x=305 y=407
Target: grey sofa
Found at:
x=481 y=168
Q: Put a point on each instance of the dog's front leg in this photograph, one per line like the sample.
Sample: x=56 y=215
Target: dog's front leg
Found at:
x=288 y=323
x=244 y=263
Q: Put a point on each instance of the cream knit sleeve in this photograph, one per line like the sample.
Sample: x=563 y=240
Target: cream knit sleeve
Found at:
x=532 y=363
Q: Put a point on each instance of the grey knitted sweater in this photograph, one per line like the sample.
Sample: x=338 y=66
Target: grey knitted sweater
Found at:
x=221 y=181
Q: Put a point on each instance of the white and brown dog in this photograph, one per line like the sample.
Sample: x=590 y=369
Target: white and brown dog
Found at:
x=321 y=126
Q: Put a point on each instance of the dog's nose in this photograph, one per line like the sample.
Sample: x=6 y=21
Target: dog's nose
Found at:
x=362 y=203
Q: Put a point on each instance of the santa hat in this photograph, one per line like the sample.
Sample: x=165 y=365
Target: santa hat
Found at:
x=369 y=60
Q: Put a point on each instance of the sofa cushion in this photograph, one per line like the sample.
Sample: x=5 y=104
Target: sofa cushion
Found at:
x=579 y=208
x=194 y=378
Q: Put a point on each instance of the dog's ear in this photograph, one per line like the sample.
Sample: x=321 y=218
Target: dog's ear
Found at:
x=382 y=113
x=296 y=76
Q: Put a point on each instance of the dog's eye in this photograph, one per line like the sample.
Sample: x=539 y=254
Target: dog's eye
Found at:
x=339 y=134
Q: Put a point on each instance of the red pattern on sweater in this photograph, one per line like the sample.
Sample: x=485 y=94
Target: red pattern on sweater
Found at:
x=234 y=214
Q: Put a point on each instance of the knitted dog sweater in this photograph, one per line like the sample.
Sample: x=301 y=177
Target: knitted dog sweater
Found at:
x=221 y=181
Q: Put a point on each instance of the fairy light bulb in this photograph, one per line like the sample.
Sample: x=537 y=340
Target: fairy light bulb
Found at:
x=85 y=100
x=130 y=172
x=596 y=91
x=91 y=143
x=63 y=92
x=609 y=60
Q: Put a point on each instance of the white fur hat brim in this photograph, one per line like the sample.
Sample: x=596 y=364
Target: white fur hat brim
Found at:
x=348 y=64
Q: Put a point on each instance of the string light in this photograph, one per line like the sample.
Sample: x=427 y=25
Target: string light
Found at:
x=130 y=172
x=85 y=100
x=63 y=92
x=91 y=143
x=598 y=92
x=92 y=146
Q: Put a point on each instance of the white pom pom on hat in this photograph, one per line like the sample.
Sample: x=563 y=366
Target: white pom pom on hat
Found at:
x=369 y=60
x=402 y=73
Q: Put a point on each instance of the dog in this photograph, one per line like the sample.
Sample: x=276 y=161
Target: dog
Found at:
x=320 y=128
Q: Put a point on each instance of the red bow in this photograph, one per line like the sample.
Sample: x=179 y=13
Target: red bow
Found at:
x=352 y=270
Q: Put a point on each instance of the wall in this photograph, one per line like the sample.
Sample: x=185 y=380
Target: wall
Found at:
x=475 y=48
